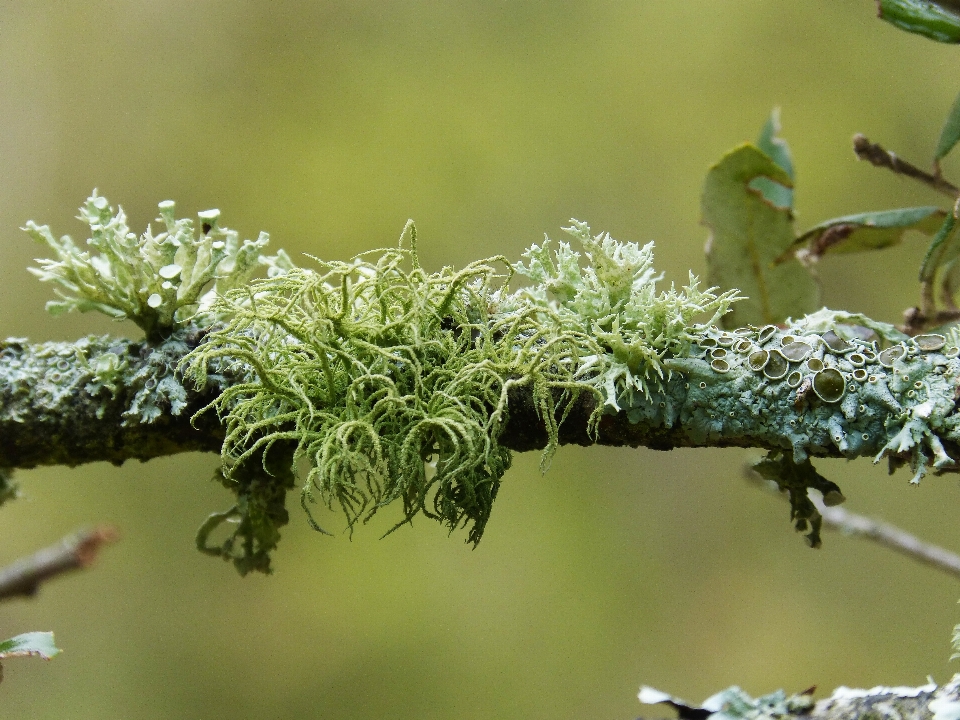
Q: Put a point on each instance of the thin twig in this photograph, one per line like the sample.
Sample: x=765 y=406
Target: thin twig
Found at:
x=890 y=536
x=74 y=552
x=877 y=155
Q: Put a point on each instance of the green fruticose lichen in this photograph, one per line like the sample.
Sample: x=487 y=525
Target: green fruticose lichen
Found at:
x=158 y=281
x=382 y=382
x=393 y=382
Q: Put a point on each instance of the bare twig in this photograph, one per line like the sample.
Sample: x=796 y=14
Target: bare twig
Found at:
x=890 y=536
x=74 y=552
x=877 y=155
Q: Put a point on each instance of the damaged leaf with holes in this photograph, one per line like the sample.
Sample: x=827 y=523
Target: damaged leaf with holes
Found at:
x=748 y=235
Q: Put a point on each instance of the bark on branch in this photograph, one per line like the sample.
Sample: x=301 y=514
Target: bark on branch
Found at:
x=110 y=399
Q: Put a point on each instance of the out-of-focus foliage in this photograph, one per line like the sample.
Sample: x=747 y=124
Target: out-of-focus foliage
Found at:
x=950 y=133
x=869 y=231
x=775 y=147
x=39 y=644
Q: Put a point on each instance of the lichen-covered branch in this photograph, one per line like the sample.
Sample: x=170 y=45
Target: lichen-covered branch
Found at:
x=388 y=383
x=100 y=399
x=926 y=702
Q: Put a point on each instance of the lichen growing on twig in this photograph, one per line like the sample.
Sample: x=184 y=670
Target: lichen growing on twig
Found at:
x=394 y=382
x=386 y=383
x=160 y=282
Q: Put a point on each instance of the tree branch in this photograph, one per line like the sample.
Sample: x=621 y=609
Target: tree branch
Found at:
x=891 y=537
x=74 y=552
x=927 y=702
x=56 y=409
x=882 y=533
x=877 y=155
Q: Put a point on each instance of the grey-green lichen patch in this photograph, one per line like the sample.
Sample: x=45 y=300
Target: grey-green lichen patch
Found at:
x=158 y=281
x=95 y=372
x=735 y=704
x=98 y=398
x=853 y=396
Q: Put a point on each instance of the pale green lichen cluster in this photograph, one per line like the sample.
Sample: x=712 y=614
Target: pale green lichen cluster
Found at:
x=159 y=281
x=394 y=382
x=614 y=302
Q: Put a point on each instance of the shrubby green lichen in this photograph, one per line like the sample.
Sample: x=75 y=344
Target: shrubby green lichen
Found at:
x=614 y=302
x=394 y=382
x=158 y=281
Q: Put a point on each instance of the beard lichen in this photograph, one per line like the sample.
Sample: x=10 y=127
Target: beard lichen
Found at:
x=393 y=382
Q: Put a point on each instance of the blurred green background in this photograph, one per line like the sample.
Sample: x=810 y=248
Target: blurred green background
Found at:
x=328 y=124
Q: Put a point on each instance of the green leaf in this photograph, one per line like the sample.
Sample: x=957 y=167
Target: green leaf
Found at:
x=776 y=149
x=922 y=17
x=748 y=234
x=950 y=133
x=31 y=643
x=943 y=249
x=870 y=231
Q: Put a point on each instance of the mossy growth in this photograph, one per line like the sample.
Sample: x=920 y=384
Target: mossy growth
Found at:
x=393 y=382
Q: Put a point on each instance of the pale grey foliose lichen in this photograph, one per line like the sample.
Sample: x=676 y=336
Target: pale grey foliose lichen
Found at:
x=812 y=391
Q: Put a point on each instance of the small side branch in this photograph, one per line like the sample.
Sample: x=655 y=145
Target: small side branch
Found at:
x=74 y=552
x=891 y=537
x=877 y=155
x=885 y=534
